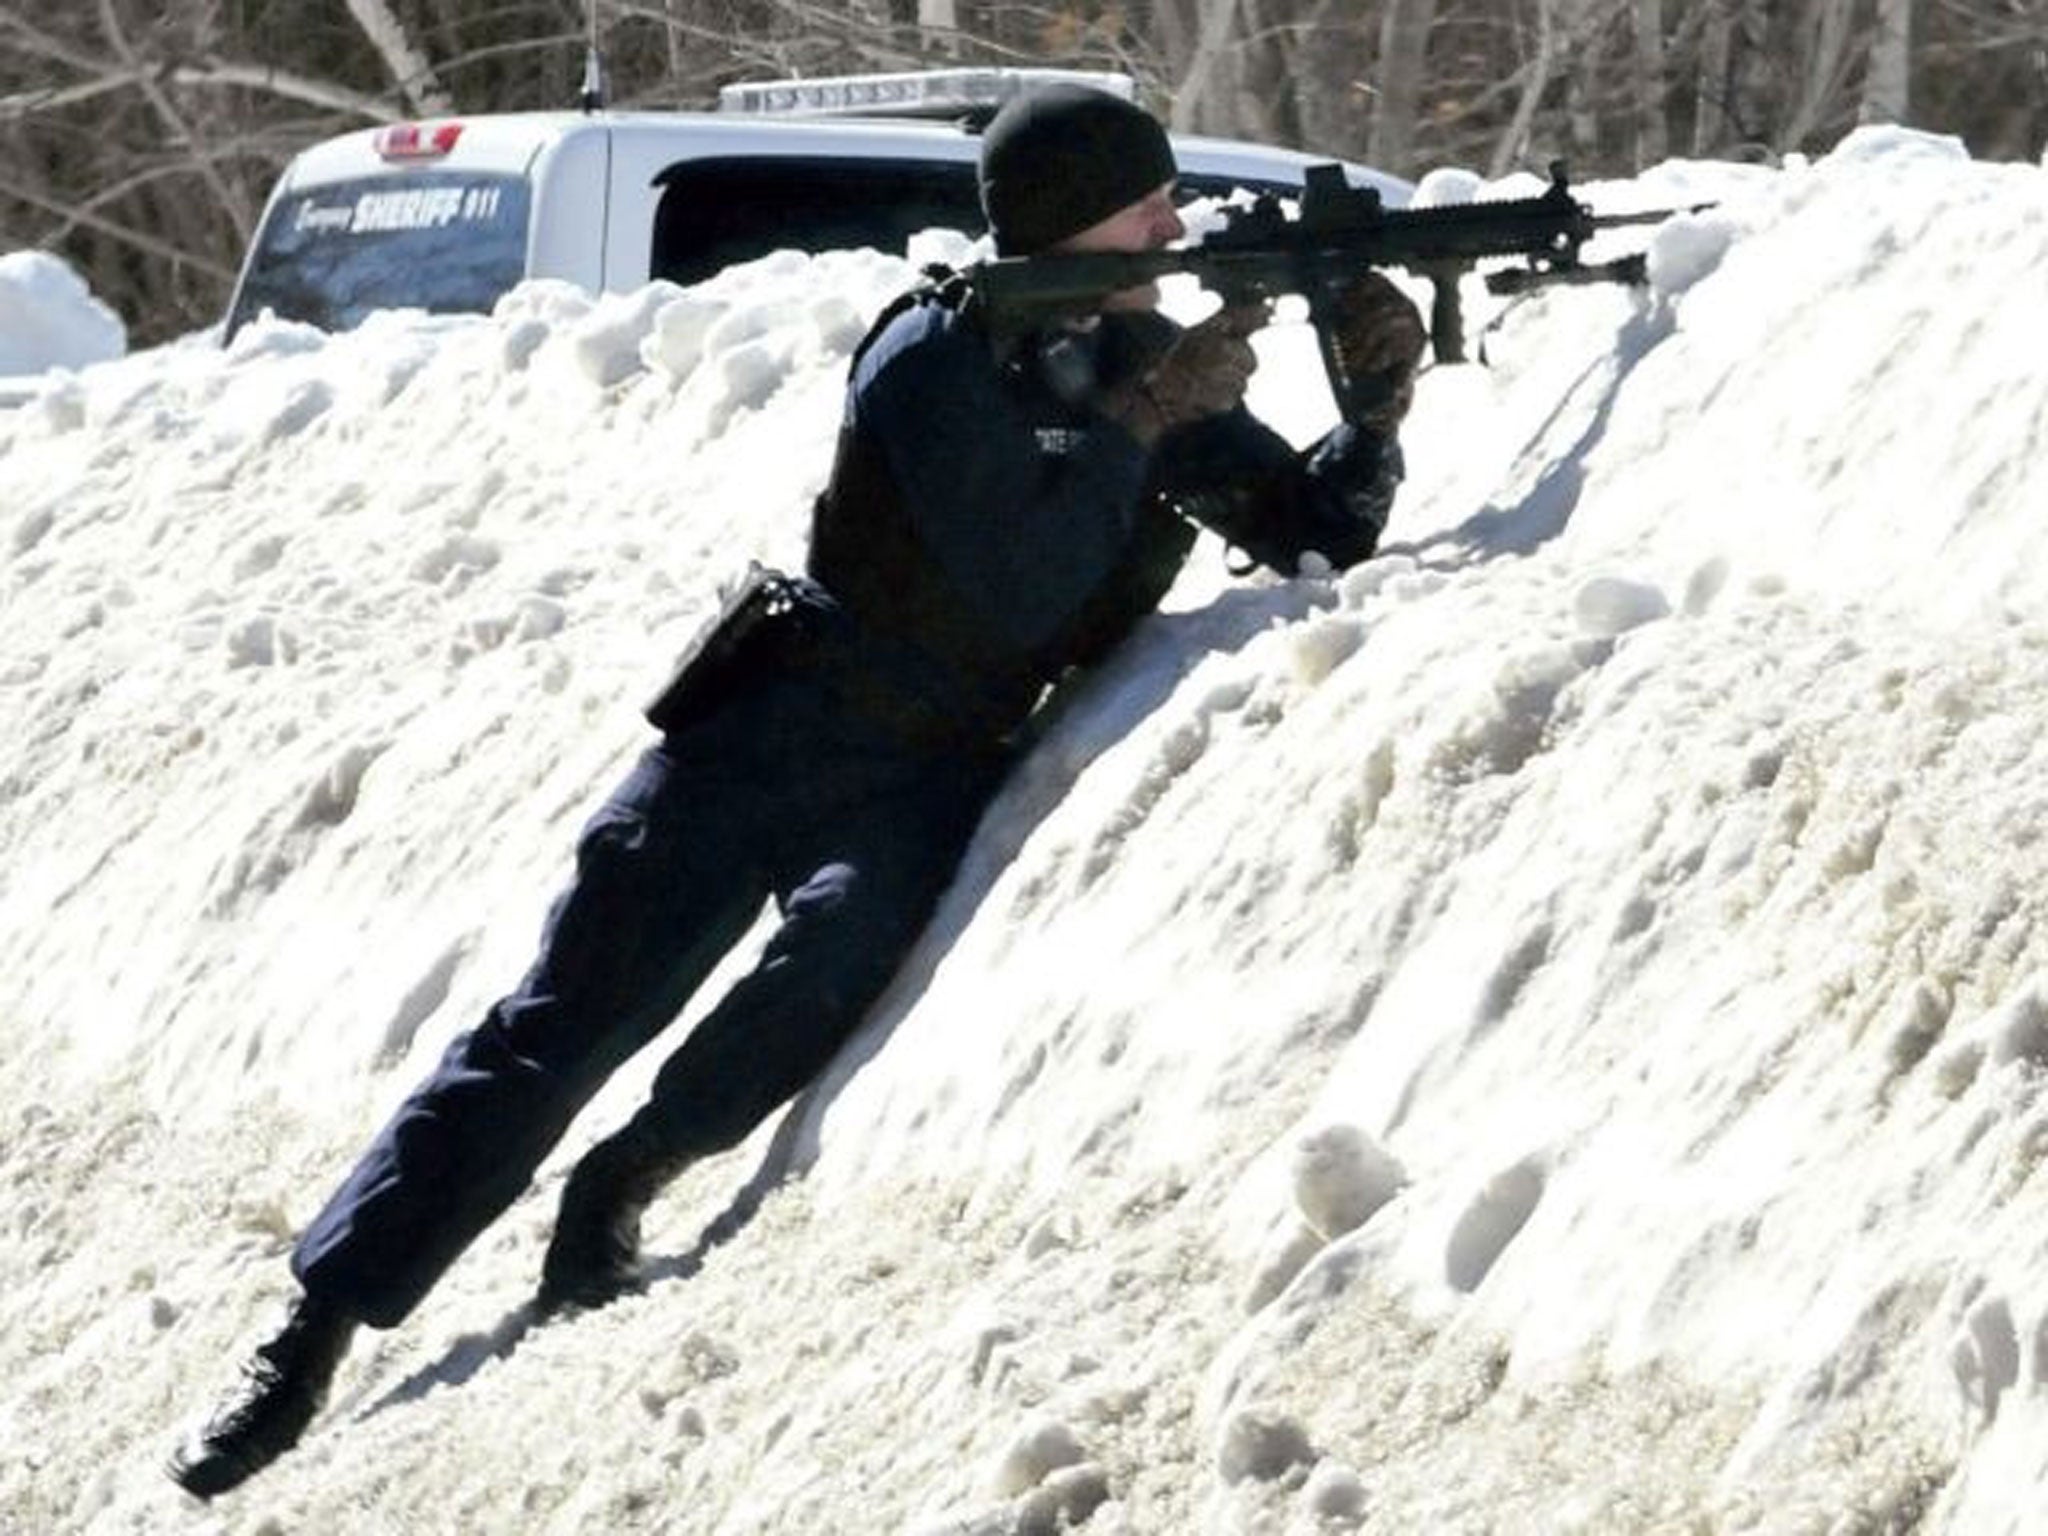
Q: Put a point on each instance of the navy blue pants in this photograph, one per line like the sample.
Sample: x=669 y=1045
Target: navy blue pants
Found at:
x=779 y=796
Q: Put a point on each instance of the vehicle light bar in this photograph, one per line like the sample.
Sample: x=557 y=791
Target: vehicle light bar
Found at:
x=920 y=93
x=416 y=141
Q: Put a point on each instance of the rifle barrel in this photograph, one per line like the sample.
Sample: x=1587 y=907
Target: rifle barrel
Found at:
x=1645 y=216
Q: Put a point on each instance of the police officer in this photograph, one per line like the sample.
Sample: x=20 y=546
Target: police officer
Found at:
x=999 y=513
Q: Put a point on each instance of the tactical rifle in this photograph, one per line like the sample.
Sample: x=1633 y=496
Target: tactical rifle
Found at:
x=1259 y=253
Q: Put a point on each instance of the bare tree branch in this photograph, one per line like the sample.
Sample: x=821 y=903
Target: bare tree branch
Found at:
x=409 y=69
x=1534 y=79
x=56 y=98
x=32 y=40
x=288 y=85
x=230 y=198
x=141 y=240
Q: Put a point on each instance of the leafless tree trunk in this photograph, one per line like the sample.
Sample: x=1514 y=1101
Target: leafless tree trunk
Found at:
x=1739 y=64
x=1405 y=27
x=1533 y=80
x=1653 y=132
x=1710 y=82
x=939 y=21
x=1215 y=22
x=1577 y=49
x=1329 y=57
x=1887 y=81
x=1822 y=63
x=1171 y=30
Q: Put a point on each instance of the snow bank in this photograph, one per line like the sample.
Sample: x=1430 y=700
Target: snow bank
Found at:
x=50 y=319
x=1544 y=1031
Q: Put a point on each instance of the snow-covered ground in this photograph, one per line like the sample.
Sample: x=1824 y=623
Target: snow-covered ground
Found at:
x=50 y=319
x=1547 y=1031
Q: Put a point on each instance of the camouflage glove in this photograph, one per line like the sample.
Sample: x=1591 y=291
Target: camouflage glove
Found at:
x=1375 y=342
x=1204 y=373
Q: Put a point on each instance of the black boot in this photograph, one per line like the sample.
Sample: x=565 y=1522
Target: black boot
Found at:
x=594 y=1255
x=283 y=1386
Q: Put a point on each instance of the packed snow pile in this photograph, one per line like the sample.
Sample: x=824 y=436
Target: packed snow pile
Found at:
x=50 y=319
x=1544 y=1031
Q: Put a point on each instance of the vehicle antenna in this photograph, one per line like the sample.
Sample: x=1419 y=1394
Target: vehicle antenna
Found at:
x=591 y=96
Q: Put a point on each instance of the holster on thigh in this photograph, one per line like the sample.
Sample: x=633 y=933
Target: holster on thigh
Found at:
x=762 y=627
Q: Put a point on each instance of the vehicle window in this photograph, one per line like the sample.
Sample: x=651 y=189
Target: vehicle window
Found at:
x=444 y=241
x=717 y=212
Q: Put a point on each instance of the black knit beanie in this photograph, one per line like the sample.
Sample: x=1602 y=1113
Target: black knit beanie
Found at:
x=1057 y=160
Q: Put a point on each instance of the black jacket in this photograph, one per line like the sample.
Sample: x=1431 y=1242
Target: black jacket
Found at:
x=986 y=528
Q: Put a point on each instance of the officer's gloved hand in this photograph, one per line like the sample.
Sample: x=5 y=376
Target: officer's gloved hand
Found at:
x=1204 y=373
x=1376 y=338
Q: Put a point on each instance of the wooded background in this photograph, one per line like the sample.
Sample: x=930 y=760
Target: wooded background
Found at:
x=138 y=138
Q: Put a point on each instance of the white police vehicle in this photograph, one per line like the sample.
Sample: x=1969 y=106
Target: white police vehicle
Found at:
x=447 y=215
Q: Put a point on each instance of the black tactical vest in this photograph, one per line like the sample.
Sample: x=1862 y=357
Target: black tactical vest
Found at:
x=865 y=552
